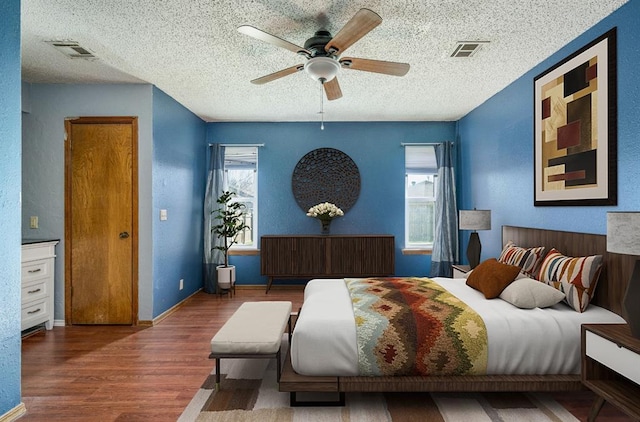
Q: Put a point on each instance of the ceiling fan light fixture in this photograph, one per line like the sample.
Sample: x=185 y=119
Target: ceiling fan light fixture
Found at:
x=322 y=68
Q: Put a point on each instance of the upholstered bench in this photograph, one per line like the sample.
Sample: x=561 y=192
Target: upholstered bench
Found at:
x=254 y=331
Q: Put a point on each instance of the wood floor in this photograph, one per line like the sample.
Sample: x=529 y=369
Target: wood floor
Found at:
x=112 y=373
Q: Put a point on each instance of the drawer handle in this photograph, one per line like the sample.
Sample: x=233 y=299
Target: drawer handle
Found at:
x=34 y=291
x=37 y=270
x=34 y=312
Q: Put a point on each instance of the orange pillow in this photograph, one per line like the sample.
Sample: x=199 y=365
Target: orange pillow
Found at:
x=491 y=277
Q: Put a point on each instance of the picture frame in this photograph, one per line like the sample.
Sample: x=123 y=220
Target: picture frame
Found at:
x=575 y=128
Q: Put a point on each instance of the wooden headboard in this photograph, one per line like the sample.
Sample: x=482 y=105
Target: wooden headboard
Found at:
x=617 y=268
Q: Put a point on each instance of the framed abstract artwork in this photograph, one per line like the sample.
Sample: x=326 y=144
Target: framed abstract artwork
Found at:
x=575 y=128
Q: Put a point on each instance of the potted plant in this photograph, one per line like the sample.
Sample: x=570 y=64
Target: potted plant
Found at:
x=230 y=218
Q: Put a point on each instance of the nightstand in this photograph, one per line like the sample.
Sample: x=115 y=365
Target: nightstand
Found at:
x=611 y=367
x=459 y=271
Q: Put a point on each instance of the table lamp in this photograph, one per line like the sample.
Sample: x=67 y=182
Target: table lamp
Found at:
x=623 y=237
x=474 y=220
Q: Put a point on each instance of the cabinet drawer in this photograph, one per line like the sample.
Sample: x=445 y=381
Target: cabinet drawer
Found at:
x=36 y=270
x=622 y=360
x=34 y=313
x=35 y=251
x=35 y=291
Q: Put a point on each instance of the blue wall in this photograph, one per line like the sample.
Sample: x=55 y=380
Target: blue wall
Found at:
x=10 y=169
x=43 y=168
x=373 y=146
x=171 y=154
x=496 y=145
x=179 y=155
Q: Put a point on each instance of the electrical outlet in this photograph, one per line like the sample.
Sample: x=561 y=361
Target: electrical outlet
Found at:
x=181 y=284
x=34 y=222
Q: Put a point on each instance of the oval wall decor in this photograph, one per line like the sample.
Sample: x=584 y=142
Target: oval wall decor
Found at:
x=326 y=175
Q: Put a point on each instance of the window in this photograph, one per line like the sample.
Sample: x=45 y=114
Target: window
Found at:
x=421 y=172
x=241 y=177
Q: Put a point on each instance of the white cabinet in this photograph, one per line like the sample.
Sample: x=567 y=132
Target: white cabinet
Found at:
x=38 y=269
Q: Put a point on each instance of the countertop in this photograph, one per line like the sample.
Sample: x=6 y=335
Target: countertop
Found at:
x=32 y=241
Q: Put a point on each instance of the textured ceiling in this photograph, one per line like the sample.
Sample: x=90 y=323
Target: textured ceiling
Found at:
x=191 y=50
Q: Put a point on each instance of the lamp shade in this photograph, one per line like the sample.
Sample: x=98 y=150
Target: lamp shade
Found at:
x=475 y=220
x=623 y=232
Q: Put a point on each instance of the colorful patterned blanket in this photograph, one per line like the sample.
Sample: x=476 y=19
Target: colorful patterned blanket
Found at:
x=413 y=326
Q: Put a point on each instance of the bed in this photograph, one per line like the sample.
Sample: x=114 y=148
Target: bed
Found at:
x=500 y=374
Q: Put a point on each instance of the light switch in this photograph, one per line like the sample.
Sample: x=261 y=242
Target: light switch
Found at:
x=163 y=215
x=34 y=222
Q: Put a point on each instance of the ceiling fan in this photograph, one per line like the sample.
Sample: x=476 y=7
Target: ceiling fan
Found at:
x=323 y=51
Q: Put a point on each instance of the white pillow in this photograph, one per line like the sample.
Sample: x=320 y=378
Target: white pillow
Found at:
x=528 y=293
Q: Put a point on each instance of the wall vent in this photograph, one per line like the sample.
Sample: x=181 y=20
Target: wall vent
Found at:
x=72 y=49
x=467 y=48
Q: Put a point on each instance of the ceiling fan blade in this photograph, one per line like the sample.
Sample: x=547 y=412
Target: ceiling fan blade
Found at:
x=359 y=25
x=377 y=66
x=272 y=39
x=332 y=89
x=277 y=75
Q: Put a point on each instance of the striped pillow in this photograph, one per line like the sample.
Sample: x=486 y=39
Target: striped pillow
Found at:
x=575 y=277
x=528 y=259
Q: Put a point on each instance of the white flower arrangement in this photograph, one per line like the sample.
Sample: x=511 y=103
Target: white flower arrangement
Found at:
x=325 y=211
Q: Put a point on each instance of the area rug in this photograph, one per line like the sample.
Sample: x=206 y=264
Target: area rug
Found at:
x=249 y=392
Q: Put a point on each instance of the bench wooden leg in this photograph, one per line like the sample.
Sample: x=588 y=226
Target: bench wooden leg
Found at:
x=277 y=356
x=217 y=374
x=278 y=366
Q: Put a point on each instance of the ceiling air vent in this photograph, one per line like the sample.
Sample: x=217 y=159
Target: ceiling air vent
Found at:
x=72 y=49
x=467 y=48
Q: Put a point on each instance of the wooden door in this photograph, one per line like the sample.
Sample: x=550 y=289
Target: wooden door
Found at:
x=101 y=220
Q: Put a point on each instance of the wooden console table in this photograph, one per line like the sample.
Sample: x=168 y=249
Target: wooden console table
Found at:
x=335 y=256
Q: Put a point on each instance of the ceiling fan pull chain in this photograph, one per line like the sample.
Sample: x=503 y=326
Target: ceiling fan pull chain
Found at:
x=321 y=104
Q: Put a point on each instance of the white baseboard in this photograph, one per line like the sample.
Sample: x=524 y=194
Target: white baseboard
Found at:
x=58 y=323
x=14 y=413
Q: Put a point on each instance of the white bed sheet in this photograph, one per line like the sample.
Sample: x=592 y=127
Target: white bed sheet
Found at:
x=521 y=341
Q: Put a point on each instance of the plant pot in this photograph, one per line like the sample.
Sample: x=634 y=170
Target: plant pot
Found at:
x=226 y=277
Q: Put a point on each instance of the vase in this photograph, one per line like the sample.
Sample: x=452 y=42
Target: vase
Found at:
x=326 y=227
